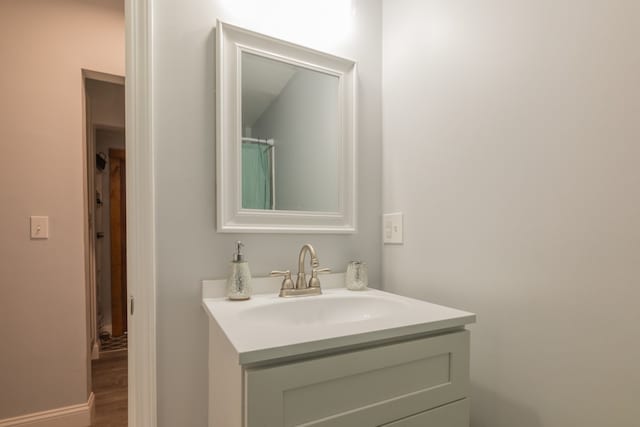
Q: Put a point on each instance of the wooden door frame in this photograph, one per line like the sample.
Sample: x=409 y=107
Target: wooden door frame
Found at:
x=117 y=240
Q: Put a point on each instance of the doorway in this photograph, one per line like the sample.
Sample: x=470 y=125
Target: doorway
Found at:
x=111 y=252
x=106 y=248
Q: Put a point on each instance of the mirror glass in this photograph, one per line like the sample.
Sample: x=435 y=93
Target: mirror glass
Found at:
x=290 y=136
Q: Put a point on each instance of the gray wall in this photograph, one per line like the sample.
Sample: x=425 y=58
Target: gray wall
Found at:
x=303 y=121
x=188 y=247
x=511 y=143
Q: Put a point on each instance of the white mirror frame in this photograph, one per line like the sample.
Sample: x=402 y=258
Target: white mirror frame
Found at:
x=231 y=41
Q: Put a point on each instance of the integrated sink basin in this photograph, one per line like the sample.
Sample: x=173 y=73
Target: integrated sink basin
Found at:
x=327 y=309
x=267 y=328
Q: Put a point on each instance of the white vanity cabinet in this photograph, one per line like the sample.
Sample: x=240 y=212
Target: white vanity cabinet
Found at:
x=368 y=387
x=452 y=414
x=418 y=382
x=275 y=362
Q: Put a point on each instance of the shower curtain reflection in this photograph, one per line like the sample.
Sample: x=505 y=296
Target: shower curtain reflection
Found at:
x=256 y=176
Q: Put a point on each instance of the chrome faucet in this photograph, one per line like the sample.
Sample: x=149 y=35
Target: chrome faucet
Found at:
x=301 y=287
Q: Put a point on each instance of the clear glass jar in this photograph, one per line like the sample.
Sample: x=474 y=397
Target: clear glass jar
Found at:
x=356 y=277
x=239 y=282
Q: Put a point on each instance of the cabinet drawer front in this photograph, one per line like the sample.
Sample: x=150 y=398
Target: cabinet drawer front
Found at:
x=454 y=414
x=360 y=388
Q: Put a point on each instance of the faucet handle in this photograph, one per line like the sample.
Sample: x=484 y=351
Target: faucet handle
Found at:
x=287 y=283
x=281 y=273
x=314 y=282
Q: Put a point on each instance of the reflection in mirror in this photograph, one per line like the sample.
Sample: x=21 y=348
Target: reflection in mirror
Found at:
x=290 y=136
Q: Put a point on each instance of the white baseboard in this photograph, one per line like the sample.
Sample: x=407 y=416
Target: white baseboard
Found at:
x=80 y=415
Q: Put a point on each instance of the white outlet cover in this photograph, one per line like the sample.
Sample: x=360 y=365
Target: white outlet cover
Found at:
x=39 y=227
x=392 y=224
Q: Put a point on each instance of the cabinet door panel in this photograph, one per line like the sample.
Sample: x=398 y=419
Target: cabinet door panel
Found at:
x=361 y=388
x=455 y=414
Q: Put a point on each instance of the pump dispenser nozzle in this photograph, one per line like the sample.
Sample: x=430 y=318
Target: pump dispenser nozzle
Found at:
x=237 y=255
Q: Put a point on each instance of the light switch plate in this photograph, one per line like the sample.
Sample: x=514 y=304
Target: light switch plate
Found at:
x=392 y=228
x=39 y=227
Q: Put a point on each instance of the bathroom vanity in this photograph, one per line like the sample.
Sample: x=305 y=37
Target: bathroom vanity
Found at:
x=343 y=358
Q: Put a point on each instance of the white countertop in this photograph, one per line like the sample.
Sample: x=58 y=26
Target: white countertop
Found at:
x=258 y=341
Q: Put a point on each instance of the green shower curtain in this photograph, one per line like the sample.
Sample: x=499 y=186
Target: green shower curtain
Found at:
x=256 y=176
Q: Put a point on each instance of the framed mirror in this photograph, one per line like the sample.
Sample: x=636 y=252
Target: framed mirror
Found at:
x=285 y=136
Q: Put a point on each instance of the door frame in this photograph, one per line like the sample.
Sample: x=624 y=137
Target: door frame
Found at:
x=89 y=171
x=140 y=189
x=89 y=221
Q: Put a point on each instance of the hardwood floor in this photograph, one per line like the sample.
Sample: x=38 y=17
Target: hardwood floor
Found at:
x=109 y=379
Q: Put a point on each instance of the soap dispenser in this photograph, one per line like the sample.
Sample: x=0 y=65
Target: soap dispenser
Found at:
x=239 y=283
